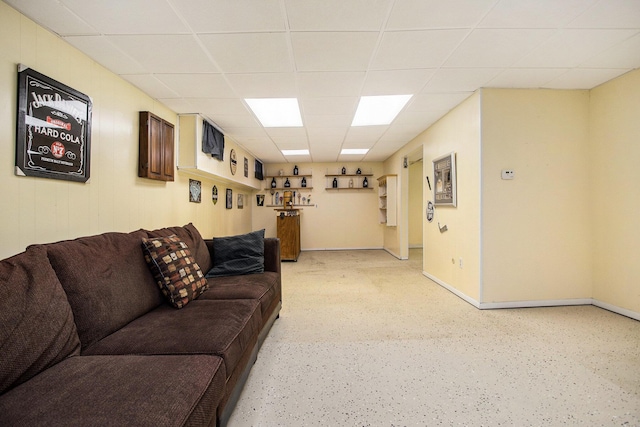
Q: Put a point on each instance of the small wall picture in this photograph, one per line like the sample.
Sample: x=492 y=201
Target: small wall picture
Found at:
x=246 y=167
x=229 y=198
x=444 y=177
x=240 y=201
x=195 y=191
x=260 y=199
x=214 y=194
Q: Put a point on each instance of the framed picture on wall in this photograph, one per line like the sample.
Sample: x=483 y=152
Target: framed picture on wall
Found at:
x=53 y=138
x=229 y=198
x=240 y=201
x=444 y=178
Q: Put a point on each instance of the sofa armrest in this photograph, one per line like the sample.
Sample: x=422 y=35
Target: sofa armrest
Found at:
x=272 y=254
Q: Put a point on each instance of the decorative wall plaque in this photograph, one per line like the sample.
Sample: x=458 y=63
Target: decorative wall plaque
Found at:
x=53 y=137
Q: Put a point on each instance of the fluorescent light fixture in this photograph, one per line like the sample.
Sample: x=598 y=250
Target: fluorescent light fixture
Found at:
x=379 y=110
x=354 y=151
x=295 y=152
x=276 y=112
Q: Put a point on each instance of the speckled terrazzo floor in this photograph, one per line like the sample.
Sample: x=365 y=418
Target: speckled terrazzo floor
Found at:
x=364 y=339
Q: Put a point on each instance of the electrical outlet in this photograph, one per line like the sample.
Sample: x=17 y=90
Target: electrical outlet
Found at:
x=508 y=174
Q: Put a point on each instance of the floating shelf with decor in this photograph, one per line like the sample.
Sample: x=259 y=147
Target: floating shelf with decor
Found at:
x=349 y=180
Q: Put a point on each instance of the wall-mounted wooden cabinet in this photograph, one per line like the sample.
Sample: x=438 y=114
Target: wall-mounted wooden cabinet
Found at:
x=156 y=148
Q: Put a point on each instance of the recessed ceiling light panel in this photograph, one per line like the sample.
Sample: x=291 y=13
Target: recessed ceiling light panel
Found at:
x=354 y=151
x=379 y=110
x=276 y=112
x=295 y=152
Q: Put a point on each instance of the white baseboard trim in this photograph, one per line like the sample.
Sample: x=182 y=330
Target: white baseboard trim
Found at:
x=341 y=249
x=393 y=253
x=453 y=290
x=536 y=303
x=619 y=310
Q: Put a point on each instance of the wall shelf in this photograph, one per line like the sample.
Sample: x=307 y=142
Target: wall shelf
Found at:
x=387 y=200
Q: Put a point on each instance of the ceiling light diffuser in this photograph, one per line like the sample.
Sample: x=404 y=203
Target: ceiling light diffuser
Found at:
x=295 y=152
x=354 y=151
x=276 y=112
x=379 y=110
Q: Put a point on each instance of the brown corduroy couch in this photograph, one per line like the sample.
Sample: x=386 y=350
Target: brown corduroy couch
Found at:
x=87 y=337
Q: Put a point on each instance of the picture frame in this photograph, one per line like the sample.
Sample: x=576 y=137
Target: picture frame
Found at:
x=53 y=135
x=246 y=167
x=229 y=198
x=444 y=180
x=260 y=199
x=240 y=201
x=195 y=191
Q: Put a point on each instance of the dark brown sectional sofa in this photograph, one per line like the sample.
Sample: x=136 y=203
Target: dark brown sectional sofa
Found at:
x=88 y=338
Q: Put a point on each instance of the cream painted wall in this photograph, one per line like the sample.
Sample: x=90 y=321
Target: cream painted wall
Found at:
x=37 y=210
x=342 y=219
x=536 y=229
x=459 y=132
x=416 y=216
x=615 y=199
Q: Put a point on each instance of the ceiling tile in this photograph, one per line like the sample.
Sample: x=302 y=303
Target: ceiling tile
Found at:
x=210 y=16
x=204 y=85
x=297 y=132
x=230 y=121
x=264 y=85
x=435 y=101
x=53 y=15
x=318 y=85
x=437 y=14
x=249 y=52
x=448 y=80
x=186 y=55
x=318 y=136
x=525 y=77
x=610 y=14
x=496 y=48
x=336 y=15
x=111 y=57
x=179 y=105
x=327 y=120
x=583 y=78
x=570 y=48
x=333 y=51
x=150 y=85
x=396 y=82
x=416 y=49
x=623 y=55
x=363 y=136
x=337 y=105
x=109 y=16
x=534 y=14
x=214 y=106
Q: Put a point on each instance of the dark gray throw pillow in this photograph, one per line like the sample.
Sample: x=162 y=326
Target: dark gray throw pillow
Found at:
x=236 y=255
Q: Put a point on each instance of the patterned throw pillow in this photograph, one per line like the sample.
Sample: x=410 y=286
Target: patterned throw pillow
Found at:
x=175 y=270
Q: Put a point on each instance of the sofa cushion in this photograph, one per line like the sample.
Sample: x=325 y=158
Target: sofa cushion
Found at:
x=120 y=391
x=174 y=268
x=37 y=323
x=223 y=328
x=192 y=237
x=107 y=281
x=237 y=255
x=264 y=287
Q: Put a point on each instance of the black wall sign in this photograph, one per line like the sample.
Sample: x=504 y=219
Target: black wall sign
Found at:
x=54 y=129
